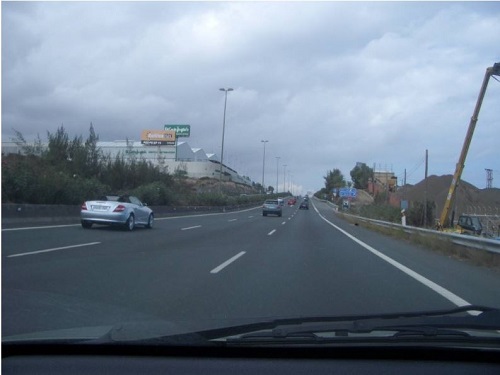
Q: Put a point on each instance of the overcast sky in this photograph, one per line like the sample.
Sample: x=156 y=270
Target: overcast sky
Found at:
x=328 y=84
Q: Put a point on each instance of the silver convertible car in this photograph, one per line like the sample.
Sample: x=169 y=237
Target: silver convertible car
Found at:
x=124 y=210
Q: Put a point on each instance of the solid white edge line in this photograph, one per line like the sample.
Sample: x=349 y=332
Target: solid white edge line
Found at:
x=227 y=262
x=193 y=227
x=271 y=232
x=230 y=220
x=450 y=296
x=43 y=227
x=53 y=249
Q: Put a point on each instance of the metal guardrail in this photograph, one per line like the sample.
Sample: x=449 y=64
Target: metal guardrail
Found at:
x=481 y=243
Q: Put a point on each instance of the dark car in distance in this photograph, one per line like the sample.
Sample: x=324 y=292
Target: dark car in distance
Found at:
x=304 y=205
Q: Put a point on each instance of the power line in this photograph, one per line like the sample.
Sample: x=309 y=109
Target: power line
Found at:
x=411 y=171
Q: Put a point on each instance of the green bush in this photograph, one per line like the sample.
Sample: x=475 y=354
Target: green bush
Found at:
x=416 y=214
x=209 y=199
x=155 y=193
x=81 y=189
x=381 y=212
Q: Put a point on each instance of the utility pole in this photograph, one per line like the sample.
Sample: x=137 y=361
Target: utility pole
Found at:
x=404 y=191
x=223 y=130
x=425 y=190
x=277 y=173
x=284 y=178
x=264 y=164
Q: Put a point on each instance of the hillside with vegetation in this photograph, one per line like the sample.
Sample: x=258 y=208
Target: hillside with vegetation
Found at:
x=71 y=170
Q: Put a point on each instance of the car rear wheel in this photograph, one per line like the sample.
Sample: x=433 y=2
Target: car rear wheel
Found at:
x=86 y=224
x=264 y=214
x=130 y=223
x=151 y=220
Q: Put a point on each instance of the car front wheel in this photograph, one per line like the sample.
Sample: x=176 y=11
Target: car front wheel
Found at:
x=150 y=221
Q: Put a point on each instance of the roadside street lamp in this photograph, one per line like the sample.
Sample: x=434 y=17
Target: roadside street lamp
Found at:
x=277 y=171
x=223 y=130
x=264 y=164
x=284 y=178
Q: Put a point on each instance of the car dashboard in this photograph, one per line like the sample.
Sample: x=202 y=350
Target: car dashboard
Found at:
x=146 y=359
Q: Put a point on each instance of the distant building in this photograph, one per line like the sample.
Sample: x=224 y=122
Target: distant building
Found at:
x=385 y=182
x=386 y=179
x=382 y=182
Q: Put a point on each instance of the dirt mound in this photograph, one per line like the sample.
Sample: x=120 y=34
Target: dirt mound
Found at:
x=490 y=197
x=468 y=197
x=363 y=197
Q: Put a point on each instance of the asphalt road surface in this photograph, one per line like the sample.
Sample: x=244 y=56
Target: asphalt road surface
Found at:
x=237 y=265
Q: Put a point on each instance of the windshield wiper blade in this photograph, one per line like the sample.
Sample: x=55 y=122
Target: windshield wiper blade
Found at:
x=450 y=322
x=412 y=314
x=278 y=336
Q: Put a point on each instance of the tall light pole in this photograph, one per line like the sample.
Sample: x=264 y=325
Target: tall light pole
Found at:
x=277 y=172
x=284 y=178
x=264 y=163
x=223 y=130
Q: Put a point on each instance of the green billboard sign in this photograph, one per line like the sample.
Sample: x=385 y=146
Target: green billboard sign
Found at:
x=180 y=130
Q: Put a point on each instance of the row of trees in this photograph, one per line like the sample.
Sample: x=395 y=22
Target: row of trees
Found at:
x=360 y=175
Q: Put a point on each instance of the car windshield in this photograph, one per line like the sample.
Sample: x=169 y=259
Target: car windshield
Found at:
x=140 y=140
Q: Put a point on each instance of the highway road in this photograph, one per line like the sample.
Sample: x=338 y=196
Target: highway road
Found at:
x=237 y=265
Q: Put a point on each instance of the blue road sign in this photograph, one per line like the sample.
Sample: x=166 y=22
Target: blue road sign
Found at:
x=348 y=192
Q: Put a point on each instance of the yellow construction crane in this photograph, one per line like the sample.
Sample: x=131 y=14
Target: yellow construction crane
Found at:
x=443 y=221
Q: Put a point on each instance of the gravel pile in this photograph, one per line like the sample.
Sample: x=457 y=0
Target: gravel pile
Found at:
x=469 y=199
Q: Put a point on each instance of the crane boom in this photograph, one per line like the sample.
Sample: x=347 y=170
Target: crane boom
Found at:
x=493 y=70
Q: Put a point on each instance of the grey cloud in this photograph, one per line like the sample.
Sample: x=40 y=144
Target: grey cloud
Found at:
x=329 y=84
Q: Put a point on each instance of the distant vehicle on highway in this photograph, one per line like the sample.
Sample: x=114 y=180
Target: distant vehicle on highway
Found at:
x=304 y=205
x=271 y=207
x=281 y=201
x=292 y=201
x=127 y=211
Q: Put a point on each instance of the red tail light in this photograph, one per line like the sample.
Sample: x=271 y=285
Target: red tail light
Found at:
x=119 y=208
x=84 y=206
